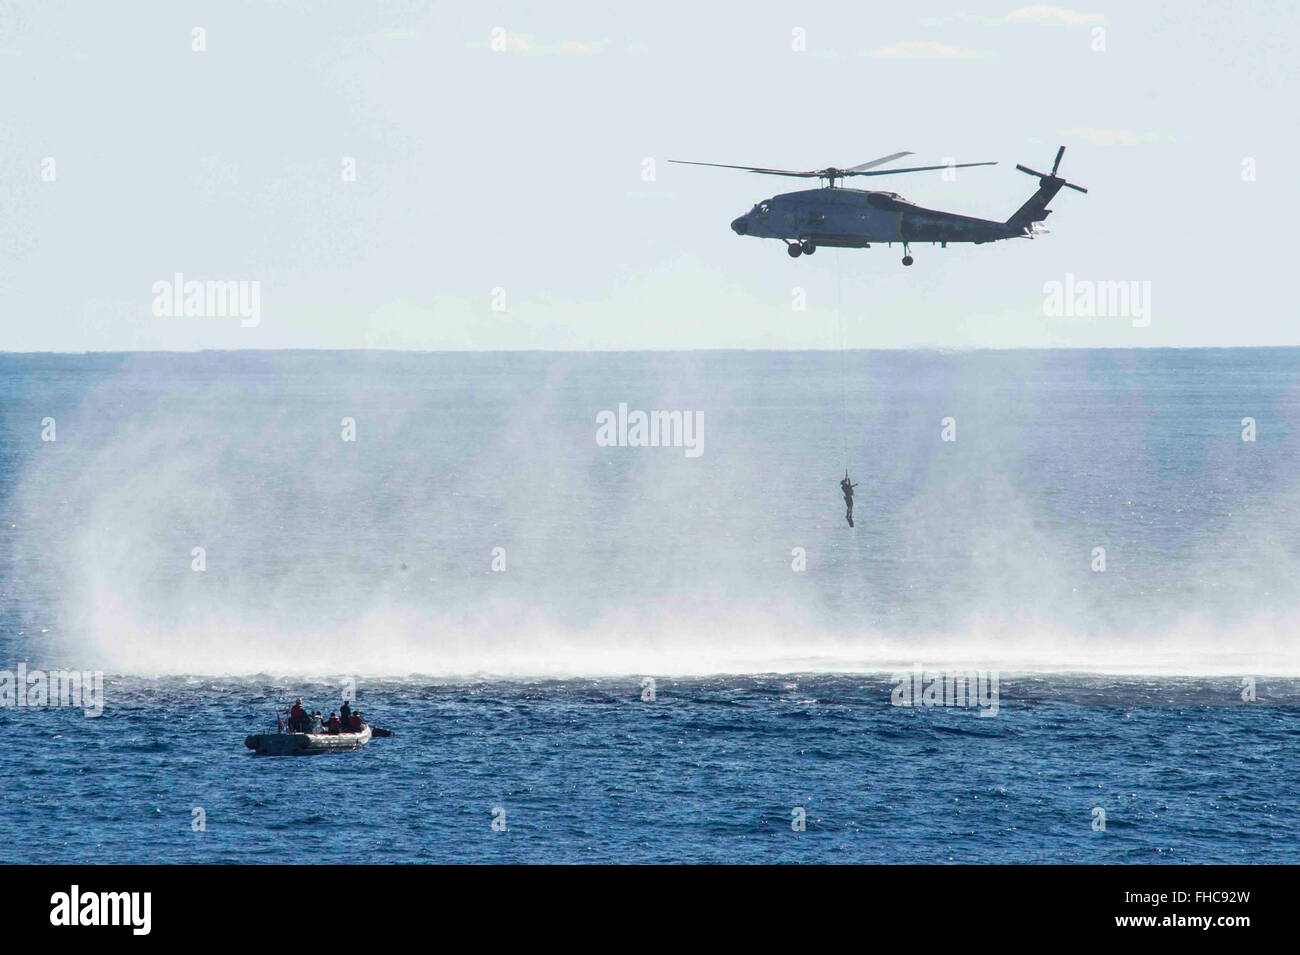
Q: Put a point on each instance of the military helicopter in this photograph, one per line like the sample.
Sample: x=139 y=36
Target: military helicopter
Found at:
x=854 y=218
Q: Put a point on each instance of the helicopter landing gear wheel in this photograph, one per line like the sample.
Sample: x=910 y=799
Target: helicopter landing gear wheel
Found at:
x=907 y=254
x=794 y=250
x=907 y=260
x=808 y=248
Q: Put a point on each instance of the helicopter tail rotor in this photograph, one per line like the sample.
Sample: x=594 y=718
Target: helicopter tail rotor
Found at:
x=1027 y=217
x=1045 y=177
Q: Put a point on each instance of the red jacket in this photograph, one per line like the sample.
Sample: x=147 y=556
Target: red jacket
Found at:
x=354 y=724
x=296 y=712
x=334 y=724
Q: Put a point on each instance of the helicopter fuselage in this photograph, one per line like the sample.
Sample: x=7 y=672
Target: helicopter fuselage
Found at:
x=855 y=218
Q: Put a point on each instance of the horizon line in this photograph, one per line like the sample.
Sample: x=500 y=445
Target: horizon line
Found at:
x=641 y=351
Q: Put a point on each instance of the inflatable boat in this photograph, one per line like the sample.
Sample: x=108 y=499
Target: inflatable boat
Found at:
x=306 y=744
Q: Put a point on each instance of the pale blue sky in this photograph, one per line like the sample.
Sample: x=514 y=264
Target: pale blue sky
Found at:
x=523 y=170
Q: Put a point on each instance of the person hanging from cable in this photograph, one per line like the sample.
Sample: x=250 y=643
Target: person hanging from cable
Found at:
x=847 y=487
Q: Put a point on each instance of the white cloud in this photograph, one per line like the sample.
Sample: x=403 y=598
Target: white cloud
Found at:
x=1037 y=14
x=1042 y=14
x=925 y=50
x=525 y=44
x=1113 y=137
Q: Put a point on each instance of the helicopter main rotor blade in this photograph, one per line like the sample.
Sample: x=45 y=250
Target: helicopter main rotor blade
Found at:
x=805 y=173
x=832 y=172
x=877 y=162
x=890 y=172
x=1070 y=185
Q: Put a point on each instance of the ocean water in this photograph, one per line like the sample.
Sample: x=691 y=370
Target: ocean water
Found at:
x=498 y=588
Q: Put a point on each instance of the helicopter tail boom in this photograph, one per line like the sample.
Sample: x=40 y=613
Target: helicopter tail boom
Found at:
x=1049 y=184
x=1035 y=210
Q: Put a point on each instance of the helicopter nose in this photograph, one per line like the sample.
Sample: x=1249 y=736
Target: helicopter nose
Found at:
x=739 y=226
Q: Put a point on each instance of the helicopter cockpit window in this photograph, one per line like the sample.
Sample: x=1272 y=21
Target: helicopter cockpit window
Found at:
x=763 y=208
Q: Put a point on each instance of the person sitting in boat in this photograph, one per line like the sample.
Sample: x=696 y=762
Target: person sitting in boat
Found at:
x=297 y=717
x=317 y=723
x=334 y=725
x=355 y=723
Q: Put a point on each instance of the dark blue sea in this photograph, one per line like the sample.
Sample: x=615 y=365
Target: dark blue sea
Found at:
x=635 y=654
